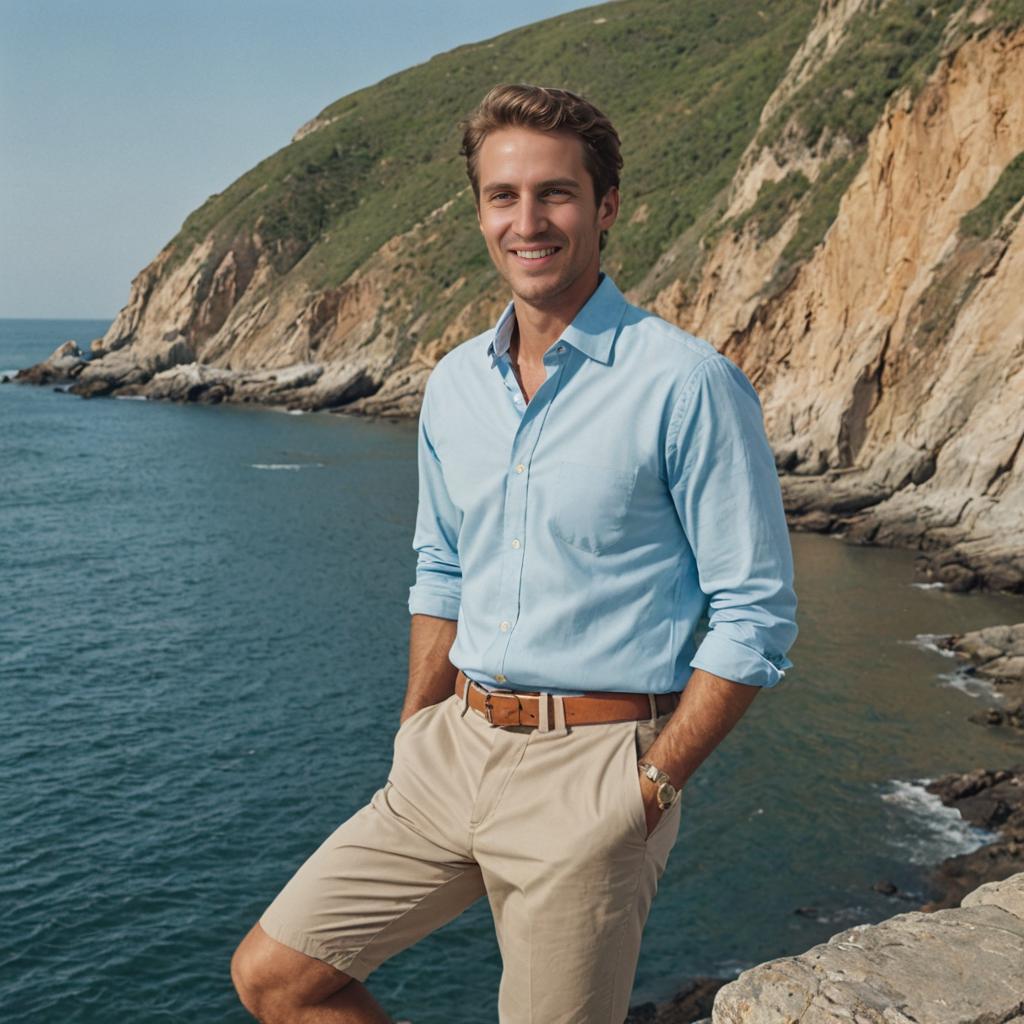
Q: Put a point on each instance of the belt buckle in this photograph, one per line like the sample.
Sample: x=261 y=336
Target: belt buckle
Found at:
x=489 y=708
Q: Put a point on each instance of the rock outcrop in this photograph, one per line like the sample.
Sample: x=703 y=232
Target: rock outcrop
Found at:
x=63 y=365
x=996 y=654
x=991 y=800
x=958 y=966
x=692 y=1002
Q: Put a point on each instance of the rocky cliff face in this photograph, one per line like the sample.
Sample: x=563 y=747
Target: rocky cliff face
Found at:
x=891 y=363
x=863 y=267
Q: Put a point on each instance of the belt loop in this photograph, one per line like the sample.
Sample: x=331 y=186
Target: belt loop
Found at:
x=465 y=695
x=654 y=707
x=543 y=721
x=560 y=726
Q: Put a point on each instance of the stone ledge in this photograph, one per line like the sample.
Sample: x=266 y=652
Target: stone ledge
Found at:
x=964 y=965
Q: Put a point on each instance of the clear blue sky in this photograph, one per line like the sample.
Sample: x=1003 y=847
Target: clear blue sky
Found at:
x=118 y=118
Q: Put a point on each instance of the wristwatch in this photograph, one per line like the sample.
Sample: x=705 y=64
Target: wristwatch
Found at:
x=667 y=793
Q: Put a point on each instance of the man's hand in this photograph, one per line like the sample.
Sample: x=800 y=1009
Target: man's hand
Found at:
x=709 y=708
x=652 y=811
x=431 y=674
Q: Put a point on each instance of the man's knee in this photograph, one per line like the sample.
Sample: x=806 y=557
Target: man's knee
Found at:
x=272 y=979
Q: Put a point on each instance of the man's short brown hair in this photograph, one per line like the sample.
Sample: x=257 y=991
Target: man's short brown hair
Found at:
x=546 y=110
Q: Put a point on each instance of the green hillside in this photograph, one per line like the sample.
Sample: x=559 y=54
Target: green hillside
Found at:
x=684 y=82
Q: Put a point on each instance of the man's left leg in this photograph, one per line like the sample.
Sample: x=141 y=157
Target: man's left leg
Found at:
x=571 y=874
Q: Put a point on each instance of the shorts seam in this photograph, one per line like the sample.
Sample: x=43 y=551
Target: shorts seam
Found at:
x=303 y=943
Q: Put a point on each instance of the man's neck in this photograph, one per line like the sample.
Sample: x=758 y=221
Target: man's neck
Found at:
x=537 y=327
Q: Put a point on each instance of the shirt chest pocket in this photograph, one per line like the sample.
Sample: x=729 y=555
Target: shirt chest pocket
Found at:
x=590 y=503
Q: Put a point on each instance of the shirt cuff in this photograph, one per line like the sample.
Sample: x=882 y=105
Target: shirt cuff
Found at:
x=730 y=659
x=435 y=603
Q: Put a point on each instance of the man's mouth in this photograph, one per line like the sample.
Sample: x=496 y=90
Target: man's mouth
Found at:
x=535 y=254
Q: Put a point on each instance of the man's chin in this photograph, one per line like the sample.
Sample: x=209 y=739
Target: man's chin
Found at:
x=538 y=291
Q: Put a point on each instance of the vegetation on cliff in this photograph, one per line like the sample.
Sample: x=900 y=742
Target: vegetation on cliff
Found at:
x=684 y=84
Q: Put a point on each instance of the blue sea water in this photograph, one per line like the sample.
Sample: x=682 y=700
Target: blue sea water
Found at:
x=203 y=631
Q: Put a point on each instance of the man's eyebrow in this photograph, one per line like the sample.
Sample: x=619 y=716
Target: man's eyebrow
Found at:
x=504 y=186
x=560 y=182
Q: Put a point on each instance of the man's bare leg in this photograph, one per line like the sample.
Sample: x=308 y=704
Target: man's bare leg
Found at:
x=279 y=985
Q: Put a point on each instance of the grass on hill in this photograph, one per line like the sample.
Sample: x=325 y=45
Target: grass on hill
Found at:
x=683 y=82
x=985 y=219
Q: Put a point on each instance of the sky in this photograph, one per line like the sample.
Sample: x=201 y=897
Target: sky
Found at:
x=118 y=118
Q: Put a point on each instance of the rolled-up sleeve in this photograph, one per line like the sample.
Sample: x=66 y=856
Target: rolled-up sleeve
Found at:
x=726 y=491
x=438 y=587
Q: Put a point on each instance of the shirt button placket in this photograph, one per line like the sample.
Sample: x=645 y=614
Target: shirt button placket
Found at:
x=515 y=501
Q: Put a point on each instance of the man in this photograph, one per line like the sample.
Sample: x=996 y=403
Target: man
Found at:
x=592 y=480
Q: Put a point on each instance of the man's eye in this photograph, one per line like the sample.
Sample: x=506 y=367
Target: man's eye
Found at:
x=501 y=196
x=557 y=192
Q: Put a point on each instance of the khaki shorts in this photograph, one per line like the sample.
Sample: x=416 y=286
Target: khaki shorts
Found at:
x=549 y=826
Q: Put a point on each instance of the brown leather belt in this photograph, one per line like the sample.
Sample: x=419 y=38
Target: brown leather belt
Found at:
x=523 y=708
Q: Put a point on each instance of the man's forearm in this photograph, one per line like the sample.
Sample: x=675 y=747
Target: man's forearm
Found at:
x=431 y=674
x=710 y=706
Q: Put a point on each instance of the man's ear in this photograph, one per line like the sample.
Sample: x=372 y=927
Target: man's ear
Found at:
x=608 y=208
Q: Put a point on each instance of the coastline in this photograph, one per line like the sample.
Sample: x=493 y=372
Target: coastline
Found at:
x=988 y=799
x=843 y=502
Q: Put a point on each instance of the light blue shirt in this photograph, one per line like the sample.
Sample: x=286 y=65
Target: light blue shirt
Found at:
x=580 y=538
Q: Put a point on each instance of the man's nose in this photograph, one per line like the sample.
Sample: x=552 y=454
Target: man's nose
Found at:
x=530 y=219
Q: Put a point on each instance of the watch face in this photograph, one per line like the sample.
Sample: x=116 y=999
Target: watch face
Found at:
x=666 y=793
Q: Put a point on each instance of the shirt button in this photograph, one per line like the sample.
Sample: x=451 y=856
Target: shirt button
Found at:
x=520 y=468
x=561 y=349
x=504 y=627
x=499 y=678
x=515 y=542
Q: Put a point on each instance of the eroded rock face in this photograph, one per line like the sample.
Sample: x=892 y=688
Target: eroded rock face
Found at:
x=962 y=966
x=891 y=366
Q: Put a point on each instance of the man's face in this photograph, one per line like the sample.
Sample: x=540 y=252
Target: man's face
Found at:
x=539 y=216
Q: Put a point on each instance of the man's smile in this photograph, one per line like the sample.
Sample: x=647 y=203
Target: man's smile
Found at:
x=535 y=254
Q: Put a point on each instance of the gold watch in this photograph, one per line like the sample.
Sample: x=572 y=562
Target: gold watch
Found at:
x=667 y=793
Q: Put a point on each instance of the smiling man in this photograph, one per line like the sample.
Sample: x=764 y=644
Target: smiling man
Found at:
x=593 y=480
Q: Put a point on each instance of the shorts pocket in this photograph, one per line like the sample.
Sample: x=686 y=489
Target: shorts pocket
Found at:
x=417 y=715
x=644 y=734
x=590 y=504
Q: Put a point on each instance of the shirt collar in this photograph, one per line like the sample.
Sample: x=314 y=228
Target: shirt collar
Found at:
x=592 y=331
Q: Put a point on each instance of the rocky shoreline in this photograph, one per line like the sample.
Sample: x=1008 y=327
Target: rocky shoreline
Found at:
x=850 y=502
x=990 y=799
x=993 y=800
x=306 y=387
x=997 y=655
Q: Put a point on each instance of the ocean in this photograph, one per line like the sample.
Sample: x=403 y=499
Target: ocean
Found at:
x=203 y=634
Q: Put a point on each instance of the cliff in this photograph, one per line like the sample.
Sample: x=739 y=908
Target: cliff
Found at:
x=890 y=361
x=831 y=194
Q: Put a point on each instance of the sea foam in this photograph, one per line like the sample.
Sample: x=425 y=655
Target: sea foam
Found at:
x=936 y=831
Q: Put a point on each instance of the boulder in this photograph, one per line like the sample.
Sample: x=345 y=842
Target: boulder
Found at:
x=964 y=965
